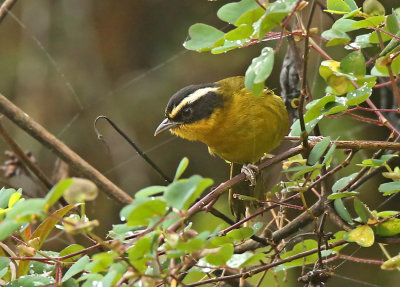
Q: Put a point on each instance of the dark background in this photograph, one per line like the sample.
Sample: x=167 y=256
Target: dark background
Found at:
x=66 y=62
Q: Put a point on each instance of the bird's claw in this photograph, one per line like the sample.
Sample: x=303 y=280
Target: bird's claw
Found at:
x=250 y=170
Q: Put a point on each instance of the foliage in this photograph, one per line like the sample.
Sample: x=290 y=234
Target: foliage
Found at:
x=156 y=244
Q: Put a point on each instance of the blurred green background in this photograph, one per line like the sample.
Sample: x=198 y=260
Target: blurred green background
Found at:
x=66 y=62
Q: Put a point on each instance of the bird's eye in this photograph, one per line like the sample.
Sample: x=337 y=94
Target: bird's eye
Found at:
x=186 y=112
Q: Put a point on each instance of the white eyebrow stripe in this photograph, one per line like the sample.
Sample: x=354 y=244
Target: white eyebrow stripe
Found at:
x=192 y=98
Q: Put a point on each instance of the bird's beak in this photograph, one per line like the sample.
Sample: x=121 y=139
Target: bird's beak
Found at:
x=166 y=124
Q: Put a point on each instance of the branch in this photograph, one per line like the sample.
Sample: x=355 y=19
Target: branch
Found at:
x=5 y=7
x=354 y=145
x=226 y=185
x=268 y=266
x=76 y=163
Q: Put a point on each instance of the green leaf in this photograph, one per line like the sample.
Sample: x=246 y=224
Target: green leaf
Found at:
x=23 y=210
x=343 y=194
x=344 y=25
x=44 y=229
x=231 y=12
x=191 y=245
x=381 y=66
x=259 y=70
x=181 y=194
x=5 y=194
x=274 y=14
x=392 y=23
x=100 y=262
x=76 y=268
x=373 y=21
x=354 y=63
x=14 y=199
x=137 y=254
x=390 y=227
x=4 y=262
x=244 y=259
x=391 y=264
x=318 y=150
x=144 y=210
x=250 y=17
x=389 y=188
x=240 y=233
x=386 y=213
x=42 y=232
x=202 y=37
x=228 y=46
x=57 y=191
x=329 y=155
x=352 y=4
x=339 y=184
x=150 y=191
x=32 y=280
x=295 y=129
x=223 y=255
x=221 y=240
x=360 y=42
x=69 y=250
x=358 y=96
x=242 y=32
x=363 y=235
x=299 y=248
x=342 y=211
x=337 y=237
x=109 y=278
x=140 y=249
x=362 y=210
x=181 y=168
x=315 y=107
x=374 y=39
x=373 y=8
x=337 y=7
x=393 y=46
x=7 y=227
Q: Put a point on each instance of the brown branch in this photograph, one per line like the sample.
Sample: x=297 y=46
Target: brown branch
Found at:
x=345 y=163
x=300 y=221
x=267 y=266
x=354 y=145
x=5 y=7
x=226 y=185
x=76 y=163
x=303 y=93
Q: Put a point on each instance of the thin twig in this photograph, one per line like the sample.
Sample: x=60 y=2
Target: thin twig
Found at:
x=304 y=79
x=254 y=271
x=133 y=144
x=76 y=163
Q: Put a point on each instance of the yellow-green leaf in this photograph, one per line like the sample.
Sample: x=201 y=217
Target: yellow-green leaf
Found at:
x=363 y=235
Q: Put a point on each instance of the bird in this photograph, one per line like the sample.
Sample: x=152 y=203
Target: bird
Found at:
x=235 y=125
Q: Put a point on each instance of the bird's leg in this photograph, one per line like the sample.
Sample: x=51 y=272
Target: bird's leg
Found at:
x=250 y=170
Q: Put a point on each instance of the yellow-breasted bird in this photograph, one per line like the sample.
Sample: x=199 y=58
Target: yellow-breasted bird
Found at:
x=235 y=125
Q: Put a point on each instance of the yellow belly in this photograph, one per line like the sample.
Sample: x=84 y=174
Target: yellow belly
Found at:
x=244 y=129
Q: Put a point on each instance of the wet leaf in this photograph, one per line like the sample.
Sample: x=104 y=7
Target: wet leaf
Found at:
x=363 y=235
x=259 y=70
x=202 y=37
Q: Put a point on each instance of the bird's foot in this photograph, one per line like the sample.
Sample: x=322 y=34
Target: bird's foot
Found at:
x=250 y=170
